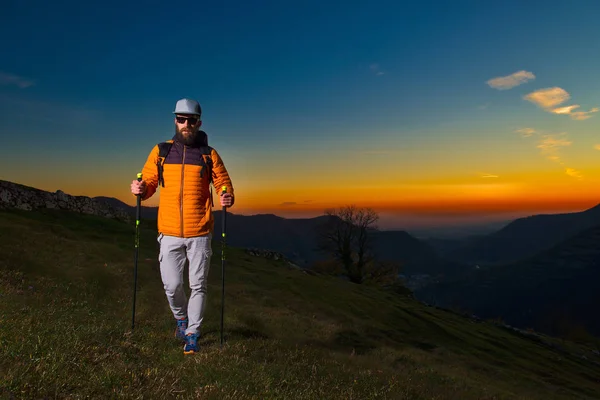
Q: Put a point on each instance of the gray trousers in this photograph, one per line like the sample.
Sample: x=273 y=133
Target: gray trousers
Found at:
x=173 y=255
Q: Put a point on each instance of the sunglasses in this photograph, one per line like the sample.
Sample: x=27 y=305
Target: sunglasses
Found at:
x=193 y=120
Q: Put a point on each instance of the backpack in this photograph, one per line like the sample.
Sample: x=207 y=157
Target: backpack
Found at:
x=205 y=149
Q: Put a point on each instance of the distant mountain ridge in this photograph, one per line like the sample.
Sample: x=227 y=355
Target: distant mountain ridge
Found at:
x=295 y=238
x=524 y=237
x=519 y=239
x=548 y=291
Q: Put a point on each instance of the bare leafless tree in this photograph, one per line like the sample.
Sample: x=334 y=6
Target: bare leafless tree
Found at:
x=347 y=237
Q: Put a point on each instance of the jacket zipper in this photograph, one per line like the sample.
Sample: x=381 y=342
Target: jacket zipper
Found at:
x=181 y=192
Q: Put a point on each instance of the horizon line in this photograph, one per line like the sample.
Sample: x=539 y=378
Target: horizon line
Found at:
x=494 y=210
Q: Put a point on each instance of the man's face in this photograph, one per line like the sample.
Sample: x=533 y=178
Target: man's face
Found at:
x=186 y=127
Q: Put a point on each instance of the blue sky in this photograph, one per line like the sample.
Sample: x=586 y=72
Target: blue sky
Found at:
x=89 y=87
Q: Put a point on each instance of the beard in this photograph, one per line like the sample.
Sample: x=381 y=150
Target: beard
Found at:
x=187 y=136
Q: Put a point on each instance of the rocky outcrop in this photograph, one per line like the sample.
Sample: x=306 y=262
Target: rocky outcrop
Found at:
x=271 y=255
x=14 y=195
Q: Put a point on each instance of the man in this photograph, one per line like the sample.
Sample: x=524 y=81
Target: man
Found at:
x=185 y=220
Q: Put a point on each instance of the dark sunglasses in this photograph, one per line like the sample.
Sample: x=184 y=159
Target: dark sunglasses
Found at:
x=193 y=120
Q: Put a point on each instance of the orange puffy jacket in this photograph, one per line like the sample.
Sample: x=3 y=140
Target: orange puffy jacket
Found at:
x=185 y=200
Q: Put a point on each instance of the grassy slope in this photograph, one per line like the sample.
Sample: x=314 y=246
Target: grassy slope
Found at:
x=65 y=313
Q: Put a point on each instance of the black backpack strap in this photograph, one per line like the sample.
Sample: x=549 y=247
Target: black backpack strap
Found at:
x=207 y=157
x=163 y=151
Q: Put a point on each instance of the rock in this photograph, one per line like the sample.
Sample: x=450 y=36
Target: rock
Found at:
x=272 y=255
x=61 y=196
x=14 y=195
x=24 y=206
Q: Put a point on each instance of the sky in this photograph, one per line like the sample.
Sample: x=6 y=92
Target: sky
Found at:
x=431 y=112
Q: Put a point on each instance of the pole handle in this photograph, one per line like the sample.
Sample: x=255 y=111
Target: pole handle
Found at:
x=223 y=191
x=139 y=202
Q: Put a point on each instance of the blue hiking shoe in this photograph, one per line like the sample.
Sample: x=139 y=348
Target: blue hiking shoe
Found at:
x=182 y=325
x=191 y=344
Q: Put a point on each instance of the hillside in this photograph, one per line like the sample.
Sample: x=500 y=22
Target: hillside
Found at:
x=524 y=237
x=66 y=288
x=555 y=291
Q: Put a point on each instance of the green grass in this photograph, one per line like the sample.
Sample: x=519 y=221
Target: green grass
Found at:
x=66 y=286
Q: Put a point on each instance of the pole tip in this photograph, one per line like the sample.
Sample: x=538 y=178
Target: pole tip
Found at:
x=224 y=189
x=139 y=176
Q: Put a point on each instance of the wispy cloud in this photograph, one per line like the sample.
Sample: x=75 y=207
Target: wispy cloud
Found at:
x=376 y=69
x=288 y=203
x=549 y=98
x=488 y=176
x=526 y=132
x=550 y=146
x=11 y=79
x=581 y=115
x=574 y=173
x=510 y=81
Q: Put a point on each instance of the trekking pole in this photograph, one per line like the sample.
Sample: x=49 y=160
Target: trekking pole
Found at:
x=223 y=244
x=137 y=243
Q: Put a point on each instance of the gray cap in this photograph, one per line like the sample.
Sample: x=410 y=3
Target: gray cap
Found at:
x=188 y=106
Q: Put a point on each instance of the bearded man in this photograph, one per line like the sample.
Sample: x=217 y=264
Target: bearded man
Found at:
x=185 y=166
